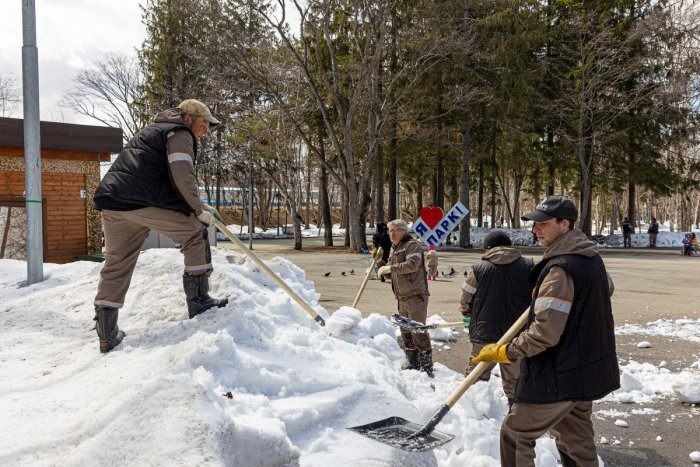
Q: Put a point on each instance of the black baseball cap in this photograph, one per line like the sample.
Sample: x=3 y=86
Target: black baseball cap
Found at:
x=495 y=239
x=553 y=206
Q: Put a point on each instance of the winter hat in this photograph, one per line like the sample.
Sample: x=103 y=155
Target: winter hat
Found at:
x=431 y=248
x=495 y=239
x=553 y=206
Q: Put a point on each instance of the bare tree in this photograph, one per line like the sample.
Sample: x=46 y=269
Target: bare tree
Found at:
x=109 y=92
x=10 y=95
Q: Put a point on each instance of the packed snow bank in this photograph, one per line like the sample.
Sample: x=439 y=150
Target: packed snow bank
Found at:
x=687 y=329
x=255 y=383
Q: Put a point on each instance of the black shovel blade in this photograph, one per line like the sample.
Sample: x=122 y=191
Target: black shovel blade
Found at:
x=401 y=434
x=408 y=324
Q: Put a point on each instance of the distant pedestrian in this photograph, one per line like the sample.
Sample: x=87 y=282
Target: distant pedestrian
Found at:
x=653 y=231
x=381 y=239
x=431 y=260
x=627 y=233
x=687 y=251
x=693 y=244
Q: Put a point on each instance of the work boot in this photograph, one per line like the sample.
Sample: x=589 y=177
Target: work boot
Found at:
x=426 y=362
x=107 y=329
x=411 y=362
x=197 y=294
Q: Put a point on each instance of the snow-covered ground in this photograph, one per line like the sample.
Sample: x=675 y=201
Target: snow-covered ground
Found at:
x=255 y=383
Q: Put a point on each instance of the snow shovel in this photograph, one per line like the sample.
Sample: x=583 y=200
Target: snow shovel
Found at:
x=369 y=272
x=417 y=326
x=402 y=434
x=300 y=301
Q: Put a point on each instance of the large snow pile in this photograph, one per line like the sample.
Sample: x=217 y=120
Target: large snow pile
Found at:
x=256 y=383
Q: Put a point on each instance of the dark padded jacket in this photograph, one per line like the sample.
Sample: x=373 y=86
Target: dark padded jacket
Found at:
x=502 y=295
x=140 y=177
x=582 y=366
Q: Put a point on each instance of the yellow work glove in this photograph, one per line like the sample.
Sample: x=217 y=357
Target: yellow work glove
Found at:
x=384 y=271
x=493 y=353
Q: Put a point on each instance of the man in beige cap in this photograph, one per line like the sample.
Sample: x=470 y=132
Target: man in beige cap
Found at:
x=151 y=185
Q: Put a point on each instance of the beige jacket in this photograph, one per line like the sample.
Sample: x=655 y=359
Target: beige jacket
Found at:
x=554 y=299
x=408 y=277
x=180 y=151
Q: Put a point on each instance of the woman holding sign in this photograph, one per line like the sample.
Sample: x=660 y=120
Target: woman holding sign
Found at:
x=410 y=285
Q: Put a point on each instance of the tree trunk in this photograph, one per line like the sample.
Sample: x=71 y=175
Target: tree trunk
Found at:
x=308 y=193
x=419 y=200
x=632 y=202
x=480 y=202
x=324 y=202
x=379 y=214
x=296 y=223
x=551 y=166
x=439 y=191
x=585 y=154
x=465 y=224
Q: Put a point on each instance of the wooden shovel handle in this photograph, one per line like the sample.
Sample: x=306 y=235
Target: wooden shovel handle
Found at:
x=369 y=272
x=300 y=301
x=481 y=366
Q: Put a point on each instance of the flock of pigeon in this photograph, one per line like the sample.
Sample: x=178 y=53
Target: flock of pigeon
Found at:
x=352 y=273
x=452 y=273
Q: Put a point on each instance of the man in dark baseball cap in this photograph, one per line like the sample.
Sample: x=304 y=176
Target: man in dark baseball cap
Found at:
x=567 y=351
x=556 y=206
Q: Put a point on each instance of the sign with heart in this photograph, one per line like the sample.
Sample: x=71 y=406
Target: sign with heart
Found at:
x=431 y=216
x=433 y=227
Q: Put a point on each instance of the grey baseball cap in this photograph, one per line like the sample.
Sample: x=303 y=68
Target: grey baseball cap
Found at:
x=553 y=206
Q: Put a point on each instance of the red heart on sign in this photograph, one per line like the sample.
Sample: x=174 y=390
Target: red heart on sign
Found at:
x=431 y=216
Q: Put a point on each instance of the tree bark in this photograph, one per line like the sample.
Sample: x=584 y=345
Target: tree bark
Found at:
x=465 y=224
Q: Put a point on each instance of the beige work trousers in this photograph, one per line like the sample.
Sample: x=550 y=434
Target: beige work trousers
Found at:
x=415 y=307
x=509 y=371
x=125 y=232
x=569 y=422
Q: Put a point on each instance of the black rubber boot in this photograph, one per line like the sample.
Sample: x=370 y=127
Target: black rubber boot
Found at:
x=197 y=294
x=510 y=403
x=107 y=329
x=411 y=362
x=426 y=362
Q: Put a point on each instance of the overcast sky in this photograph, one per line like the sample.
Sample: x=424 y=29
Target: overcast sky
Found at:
x=71 y=34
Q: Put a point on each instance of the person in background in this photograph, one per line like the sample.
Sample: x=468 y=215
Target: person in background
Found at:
x=686 y=245
x=653 y=231
x=567 y=349
x=410 y=285
x=693 y=244
x=381 y=239
x=151 y=186
x=626 y=233
x=432 y=261
x=494 y=295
